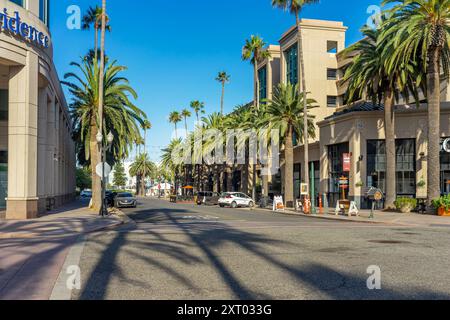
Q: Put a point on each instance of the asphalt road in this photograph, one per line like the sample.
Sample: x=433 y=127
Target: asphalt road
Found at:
x=178 y=251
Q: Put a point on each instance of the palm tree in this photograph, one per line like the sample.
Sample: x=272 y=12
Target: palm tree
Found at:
x=199 y=108
x=223 y=78
x=253 y=50
x=421 y=33
x=93 y=17
x=121 y=116
x=185 y=113
x=285 y=113
x=295 y=7
x=175 y=118
x=369 y=77
x=171 y=159
x=139 y=169
x=146 y=126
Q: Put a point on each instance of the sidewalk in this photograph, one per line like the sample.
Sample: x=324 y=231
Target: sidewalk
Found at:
x=33 y=252
x=391 y=218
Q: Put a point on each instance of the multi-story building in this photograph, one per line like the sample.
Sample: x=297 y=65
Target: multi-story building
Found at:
x=355 y=130
x=37 y=153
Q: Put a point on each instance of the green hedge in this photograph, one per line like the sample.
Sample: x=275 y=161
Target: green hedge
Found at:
x=403 y=202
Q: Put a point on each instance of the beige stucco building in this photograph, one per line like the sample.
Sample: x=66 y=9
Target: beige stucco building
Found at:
x=37 y=154
x=357 y=129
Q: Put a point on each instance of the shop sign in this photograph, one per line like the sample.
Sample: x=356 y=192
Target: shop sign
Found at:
x=16 y=26
x=445 y=146
x=347 y=162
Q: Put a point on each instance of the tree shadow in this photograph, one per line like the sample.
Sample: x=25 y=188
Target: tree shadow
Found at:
x=209 y=237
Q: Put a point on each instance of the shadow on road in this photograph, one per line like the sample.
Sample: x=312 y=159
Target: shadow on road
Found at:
x=208 y=238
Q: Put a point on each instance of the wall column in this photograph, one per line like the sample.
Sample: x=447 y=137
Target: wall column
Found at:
x=42 y=154
x=22 y=201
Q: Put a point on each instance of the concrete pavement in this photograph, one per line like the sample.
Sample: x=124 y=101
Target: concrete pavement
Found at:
x=180 y=251
x=33 y=252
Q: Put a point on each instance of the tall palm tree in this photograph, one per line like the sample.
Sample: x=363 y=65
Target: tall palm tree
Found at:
x=369 y=77
x=185 y=113
x=295 y=7
x=422 y=34
x=253 y=51
x=93 y=18
x=146 y=126
x=121 y=116
x=199 y=108
x=141 y=167
x=223 y=78
x=285 y=113
x=175 y=118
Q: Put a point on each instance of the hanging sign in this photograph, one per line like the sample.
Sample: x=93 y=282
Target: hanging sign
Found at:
x=347 y=162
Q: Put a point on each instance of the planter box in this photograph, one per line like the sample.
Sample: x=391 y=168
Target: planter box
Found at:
x=443 y=213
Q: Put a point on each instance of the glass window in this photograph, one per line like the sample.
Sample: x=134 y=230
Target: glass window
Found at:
x=297 y=180
x=331 y=74
x=18 y=2
x=445 y=171
x=332 y=101
x=292 y=65
x=332 y=46
x=3 y=104
x=3 y=178
x=405 y=165
x=262 y=76
x=44 y=11
x=336 y=171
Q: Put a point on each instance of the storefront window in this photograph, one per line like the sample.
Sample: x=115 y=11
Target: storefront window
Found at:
x=292 y=65
x=445 y=171
x=3 y=178
x=262 y=76
x=297 y=180
x=336 y=171
x=405 y=166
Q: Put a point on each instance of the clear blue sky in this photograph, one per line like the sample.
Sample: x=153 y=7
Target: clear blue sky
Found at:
x=174 y=49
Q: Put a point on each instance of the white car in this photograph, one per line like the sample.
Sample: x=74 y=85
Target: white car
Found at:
x=235 y=200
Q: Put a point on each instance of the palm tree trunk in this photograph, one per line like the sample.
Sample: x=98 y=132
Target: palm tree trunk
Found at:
x=289 y=169
x=176 y=132
x=389 y=128
x=222 y=99
x=255 y=70
x=434 y=105
x=305 y=103
x=95 y=159
x=185 y=125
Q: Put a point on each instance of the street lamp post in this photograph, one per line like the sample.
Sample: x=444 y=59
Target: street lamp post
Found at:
x=104 y=147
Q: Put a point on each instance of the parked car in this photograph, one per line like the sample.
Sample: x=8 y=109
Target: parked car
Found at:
x=125 y=200
x=207 y=198
x=86 y=194
x=235 y=200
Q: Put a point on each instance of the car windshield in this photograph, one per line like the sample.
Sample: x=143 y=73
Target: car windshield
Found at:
x=125 y=195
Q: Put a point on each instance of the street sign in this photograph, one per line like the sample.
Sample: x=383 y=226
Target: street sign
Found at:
x=99 y=169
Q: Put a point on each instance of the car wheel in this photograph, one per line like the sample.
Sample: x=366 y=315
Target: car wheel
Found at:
x=222 y=205
x=251 y=204
x=234 y=205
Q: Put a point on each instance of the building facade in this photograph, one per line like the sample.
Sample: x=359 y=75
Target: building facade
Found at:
x=355 y=131
x=37 y=153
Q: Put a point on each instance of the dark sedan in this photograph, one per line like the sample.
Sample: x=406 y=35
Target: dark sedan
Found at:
x=125 y=200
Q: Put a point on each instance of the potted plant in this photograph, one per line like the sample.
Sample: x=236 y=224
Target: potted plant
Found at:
x=405 y=205
x=442 y=205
